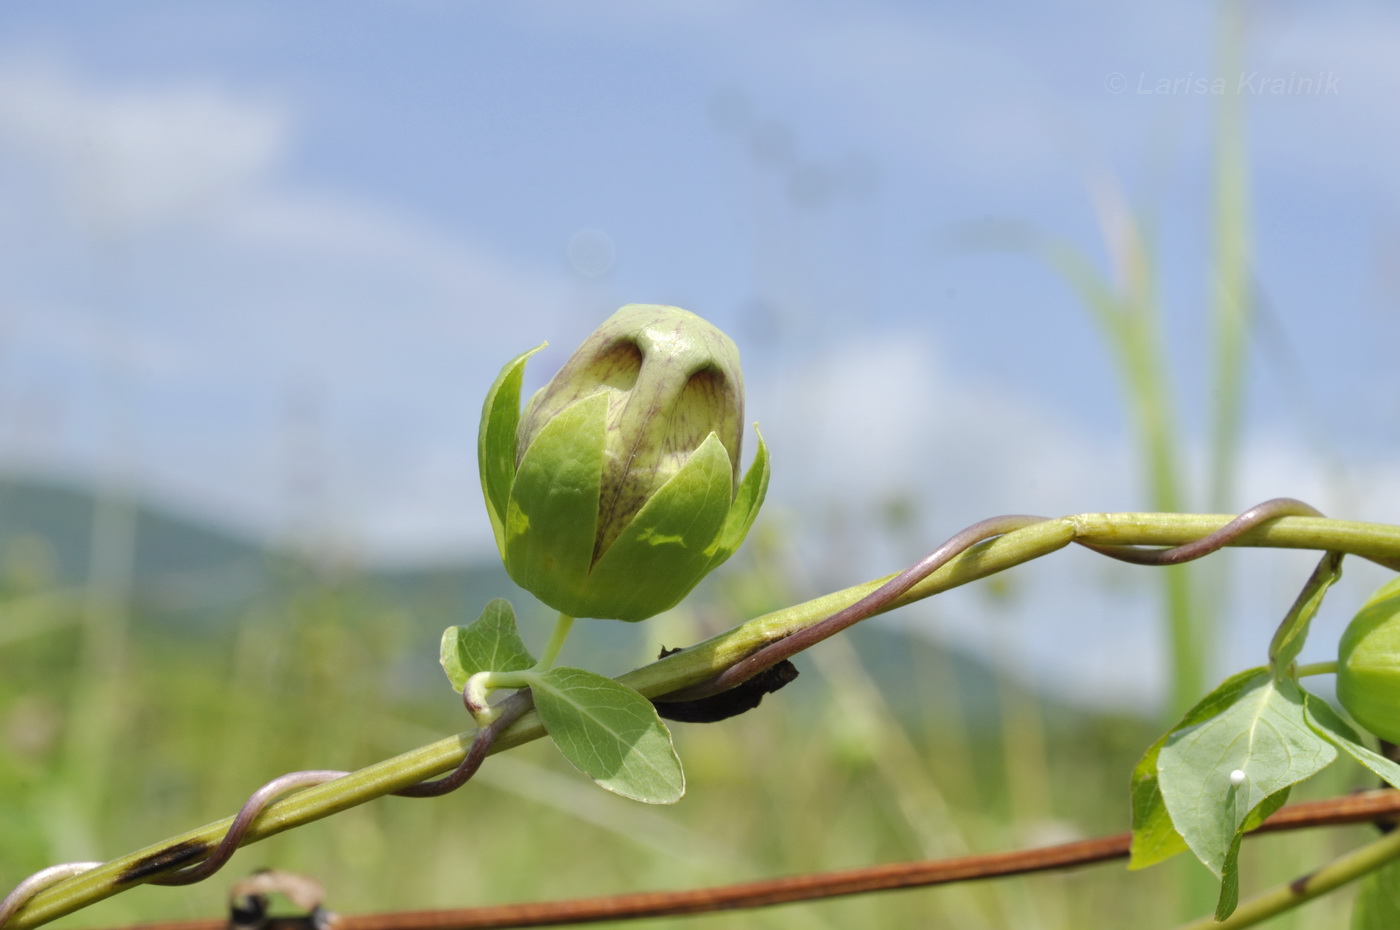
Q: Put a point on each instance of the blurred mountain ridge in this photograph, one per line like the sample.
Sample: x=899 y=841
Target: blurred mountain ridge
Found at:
x=190 y=574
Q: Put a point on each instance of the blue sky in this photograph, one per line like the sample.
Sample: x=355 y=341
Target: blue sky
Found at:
x=263 y=259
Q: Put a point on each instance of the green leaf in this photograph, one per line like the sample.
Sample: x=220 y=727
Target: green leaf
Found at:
x=610 y=733
x=1378 y=900
x=495 y=441
x=747 y=500
x=552 y=516
x=1230 y=872
x=1325 y=721
x=1263 y=734
x=1288 y=640
x=1154 y=836
x=661 y=554
x=491 y=643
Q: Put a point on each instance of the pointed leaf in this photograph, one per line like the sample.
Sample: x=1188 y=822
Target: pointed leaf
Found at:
x=1265 y=735
x=491 y=643
x=1230 y=872
x=1325 y=721
x=1154 y=836
x=610 y=733
x=661 y=554
x=495 y=441
x=552 y=516
x=747 y=500
x=1288 y=640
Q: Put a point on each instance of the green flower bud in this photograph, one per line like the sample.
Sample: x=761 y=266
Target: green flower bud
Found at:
x=618 y=488
x=1368 y=664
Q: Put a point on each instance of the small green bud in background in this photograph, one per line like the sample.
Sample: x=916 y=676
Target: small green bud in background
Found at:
x=1368 y=664
x=618 y=488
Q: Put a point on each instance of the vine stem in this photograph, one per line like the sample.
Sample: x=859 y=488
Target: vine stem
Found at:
x=556 y=642
x=708 y=659
x=1348 y=868
x=1317 y=668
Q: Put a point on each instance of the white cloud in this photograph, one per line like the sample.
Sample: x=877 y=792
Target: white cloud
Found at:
x=186 y=293
x=884 y=415
x=137 y=157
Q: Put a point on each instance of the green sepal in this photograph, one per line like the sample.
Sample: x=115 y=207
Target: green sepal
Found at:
x=491 y=643
x=1368 y=664
x=552 y=515
x=495 y=441
x=663 y=552
x=747 y=501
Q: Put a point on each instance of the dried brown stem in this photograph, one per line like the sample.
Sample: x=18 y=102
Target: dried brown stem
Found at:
x=1381 y=806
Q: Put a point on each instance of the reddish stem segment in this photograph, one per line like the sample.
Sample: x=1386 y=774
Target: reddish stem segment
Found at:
x=1260 y=513
x=879 y=599
x=1371 y=806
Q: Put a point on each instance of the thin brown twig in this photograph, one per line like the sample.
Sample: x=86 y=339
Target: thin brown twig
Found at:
x=1379 y=806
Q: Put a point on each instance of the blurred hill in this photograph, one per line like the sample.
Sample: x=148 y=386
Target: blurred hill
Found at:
x=184 y=567
x=192 y=576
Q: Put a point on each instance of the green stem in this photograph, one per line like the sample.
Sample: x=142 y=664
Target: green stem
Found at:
x=556 y=642
x=480 y=685
x=1275 y=901
x=708 y=658
x=1316 y=668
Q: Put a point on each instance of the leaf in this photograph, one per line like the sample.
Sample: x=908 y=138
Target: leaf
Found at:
x=1288 y=640
x=495 y=441
x=1325 y=721
x=1263 y=734
x=1154 y=837
x=610 y=733
x=1378 y=901
x=1230 y=873
x=491 y=643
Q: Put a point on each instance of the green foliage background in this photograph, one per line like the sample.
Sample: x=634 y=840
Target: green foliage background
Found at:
x=126 y=720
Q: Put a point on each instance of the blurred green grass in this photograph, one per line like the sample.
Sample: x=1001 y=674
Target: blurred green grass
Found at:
x=887 y=748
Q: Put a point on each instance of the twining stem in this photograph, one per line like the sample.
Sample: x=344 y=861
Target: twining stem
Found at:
x=480 y=685
x=703 y=662
x=1339 y=872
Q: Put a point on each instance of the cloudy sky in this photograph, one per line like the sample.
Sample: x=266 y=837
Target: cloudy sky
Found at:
x=262 y=260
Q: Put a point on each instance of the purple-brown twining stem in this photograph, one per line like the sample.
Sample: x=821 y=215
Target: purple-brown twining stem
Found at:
x=242 y=820
x=1259 y=513
x=868 y=606
x=881 y=597
x=37 y=883
x=510 y=710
